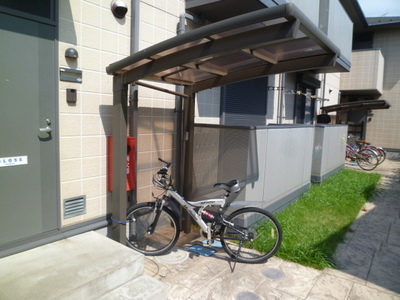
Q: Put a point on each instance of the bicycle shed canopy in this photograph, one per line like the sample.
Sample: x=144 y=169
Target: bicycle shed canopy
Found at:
x=357 y=105
x=268 y=41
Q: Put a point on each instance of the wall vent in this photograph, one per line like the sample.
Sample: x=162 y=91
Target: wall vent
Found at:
x=74 y=206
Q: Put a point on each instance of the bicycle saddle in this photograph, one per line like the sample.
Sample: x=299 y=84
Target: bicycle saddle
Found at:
x=231 y=186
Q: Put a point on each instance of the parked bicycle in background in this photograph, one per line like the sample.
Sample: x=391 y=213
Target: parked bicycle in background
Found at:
x=366 y=158
x=379 y=150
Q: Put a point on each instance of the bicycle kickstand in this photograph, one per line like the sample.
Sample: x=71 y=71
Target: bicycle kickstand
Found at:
x=237 y=255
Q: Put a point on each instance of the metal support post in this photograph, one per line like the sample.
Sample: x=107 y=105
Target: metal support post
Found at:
x=119 y=196
x=189 y=114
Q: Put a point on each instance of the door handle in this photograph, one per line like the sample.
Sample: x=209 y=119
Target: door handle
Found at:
x=46 y=129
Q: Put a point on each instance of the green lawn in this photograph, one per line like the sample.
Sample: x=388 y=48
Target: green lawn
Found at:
x=317 y=223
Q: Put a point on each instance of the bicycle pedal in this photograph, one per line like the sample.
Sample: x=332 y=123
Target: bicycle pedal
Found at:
x=214 y=244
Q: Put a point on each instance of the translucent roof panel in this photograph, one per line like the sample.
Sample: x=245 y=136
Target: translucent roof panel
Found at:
x=260 y=43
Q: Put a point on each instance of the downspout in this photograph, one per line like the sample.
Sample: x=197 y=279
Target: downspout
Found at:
x=135 y=21
x=135 y=26
x=133 y=99
x=280 y=96
x=323 y=92
x=133 y=114
x=182 y=22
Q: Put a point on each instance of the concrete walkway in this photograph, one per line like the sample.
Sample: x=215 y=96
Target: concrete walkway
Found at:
x=369 y=259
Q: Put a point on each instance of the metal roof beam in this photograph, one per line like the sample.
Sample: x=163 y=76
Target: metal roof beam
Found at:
x=209 y=67
x=263 y=55
x=154 y=87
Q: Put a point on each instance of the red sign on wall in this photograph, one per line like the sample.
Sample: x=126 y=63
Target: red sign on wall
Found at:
x=130 y=163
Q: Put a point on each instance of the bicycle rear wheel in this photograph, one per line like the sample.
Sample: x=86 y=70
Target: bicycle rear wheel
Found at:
x=141 y=234
x=255 y=236
x=367 y=159
x=380 y=152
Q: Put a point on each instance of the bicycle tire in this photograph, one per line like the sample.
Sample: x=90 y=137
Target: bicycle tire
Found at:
x=380 y=152
x=367 y=159
x=139 y=219
x=264 y=235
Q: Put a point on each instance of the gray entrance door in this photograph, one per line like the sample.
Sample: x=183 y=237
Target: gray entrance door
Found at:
x=28 y=159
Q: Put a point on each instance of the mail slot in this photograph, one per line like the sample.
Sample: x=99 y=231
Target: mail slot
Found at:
x=130 y=163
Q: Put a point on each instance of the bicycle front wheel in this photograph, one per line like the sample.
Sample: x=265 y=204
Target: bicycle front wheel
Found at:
x=367 y=159
x=254 y=236
x=151 y=232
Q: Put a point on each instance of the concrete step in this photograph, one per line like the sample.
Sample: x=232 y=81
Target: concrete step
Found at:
x=85 y=266
x=143 y=287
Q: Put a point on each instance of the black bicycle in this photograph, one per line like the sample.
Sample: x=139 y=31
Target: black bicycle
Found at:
x=248 y=234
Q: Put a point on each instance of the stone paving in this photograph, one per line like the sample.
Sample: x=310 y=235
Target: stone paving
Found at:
x=369 y=260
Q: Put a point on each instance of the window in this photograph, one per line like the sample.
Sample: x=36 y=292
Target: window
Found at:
x=37 y=10
x=363 y=40
x=245 y=103
x=305 y=104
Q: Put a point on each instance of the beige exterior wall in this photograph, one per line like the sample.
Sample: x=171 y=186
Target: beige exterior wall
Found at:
x=156 y=137
x=99 y=38
x=157 y=119
x=383 y=129
x=366 y=72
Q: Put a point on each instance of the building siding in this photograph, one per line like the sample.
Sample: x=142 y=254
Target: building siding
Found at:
x=383 y=129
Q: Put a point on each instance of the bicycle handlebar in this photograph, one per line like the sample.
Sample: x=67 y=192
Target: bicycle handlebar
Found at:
x=168 y=164
x=164 y=170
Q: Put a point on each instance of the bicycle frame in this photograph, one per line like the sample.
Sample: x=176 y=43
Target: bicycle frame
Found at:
x=202 y=204
x=352 y=153
x=188 y=206
x=153 y=227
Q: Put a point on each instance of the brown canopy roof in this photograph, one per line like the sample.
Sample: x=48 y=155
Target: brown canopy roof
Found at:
x=267 y=41
x=357 y=105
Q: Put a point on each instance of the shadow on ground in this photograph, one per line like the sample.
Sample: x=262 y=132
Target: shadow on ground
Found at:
x=371 y=250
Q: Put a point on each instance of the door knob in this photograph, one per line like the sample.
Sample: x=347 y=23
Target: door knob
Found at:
x=46 y=129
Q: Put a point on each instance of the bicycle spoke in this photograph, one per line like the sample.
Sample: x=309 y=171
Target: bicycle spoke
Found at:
x=258 y=232
x=367 y=159
x=148 y=235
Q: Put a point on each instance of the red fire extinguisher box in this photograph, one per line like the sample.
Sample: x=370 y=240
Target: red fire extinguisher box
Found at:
x=130 y=163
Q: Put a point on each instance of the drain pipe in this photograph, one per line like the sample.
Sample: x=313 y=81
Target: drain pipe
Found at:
x=133 y=97
x=133 y=114
x=182 y=22
x=323 y=93
x=280 y=96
